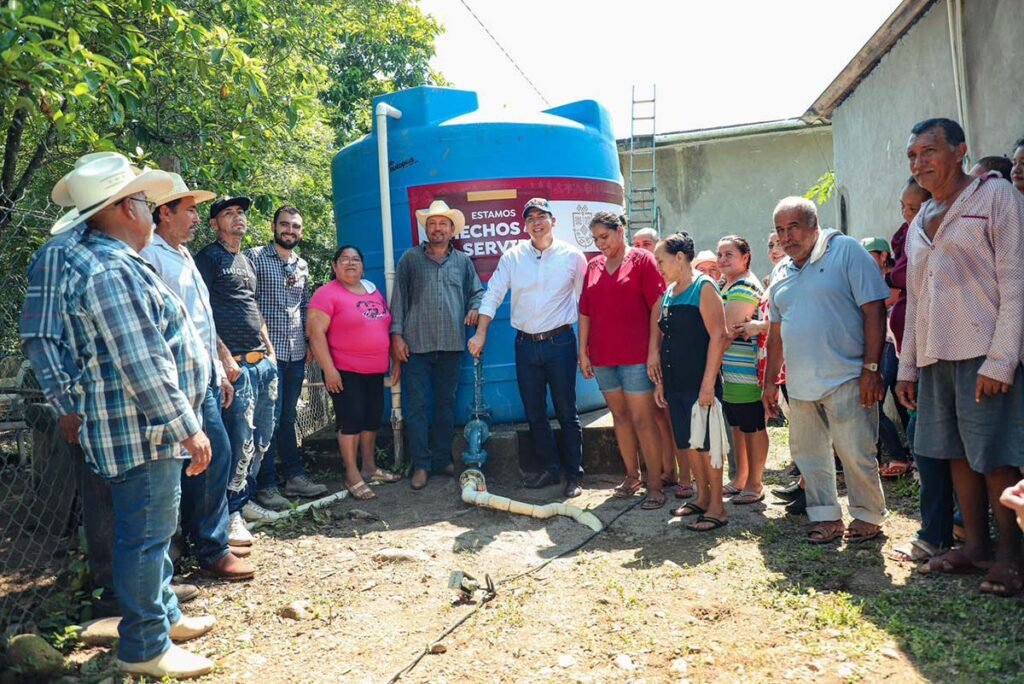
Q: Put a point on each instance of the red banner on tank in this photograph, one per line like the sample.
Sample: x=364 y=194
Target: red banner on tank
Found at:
x=492 y=209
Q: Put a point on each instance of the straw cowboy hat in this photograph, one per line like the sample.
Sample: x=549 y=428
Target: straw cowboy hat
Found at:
x=97 y=181
x=181 y=190
x=704 y=257
x=440 y=208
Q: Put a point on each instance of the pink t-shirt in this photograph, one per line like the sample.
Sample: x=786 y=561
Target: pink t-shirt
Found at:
x=358 y=333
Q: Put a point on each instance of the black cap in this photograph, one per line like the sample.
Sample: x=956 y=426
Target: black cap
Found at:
x=537 y=203
x=225 y=202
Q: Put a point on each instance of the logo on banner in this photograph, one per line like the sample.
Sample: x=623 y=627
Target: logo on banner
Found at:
x=581 y=226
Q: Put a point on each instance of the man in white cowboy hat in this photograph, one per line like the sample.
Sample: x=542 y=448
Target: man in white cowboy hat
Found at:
x=144 y=370
x=45 y=344
x=251 y=364
x=204 y=503
x=437 y=293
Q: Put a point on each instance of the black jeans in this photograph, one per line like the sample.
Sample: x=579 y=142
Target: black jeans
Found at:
x=98 y=521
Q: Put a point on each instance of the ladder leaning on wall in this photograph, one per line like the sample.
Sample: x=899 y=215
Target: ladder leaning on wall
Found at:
x=642 y=199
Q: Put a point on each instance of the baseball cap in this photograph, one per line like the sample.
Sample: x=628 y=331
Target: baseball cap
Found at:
x=225 y=202
x=537 y=203
x=876 y=244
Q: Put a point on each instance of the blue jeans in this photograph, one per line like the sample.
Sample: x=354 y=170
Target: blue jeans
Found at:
x=937 y=499
x=204 y=501
x=146 y=500
x=284 y=445
x=250 y=425
x=888 y=435
x=551 y=364
x=434 y=375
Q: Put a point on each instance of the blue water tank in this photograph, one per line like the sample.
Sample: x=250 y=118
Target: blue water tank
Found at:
x=487 y=165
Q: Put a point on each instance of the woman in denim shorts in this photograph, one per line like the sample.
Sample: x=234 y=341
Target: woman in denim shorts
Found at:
x=620 y=288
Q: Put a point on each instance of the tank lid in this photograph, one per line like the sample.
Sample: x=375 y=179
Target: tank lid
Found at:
x=425 y=105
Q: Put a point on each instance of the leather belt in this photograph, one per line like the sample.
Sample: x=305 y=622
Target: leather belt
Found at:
x=250 y=357
x=540 y=337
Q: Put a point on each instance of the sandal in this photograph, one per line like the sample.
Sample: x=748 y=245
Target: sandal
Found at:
x=896 y=469
x=1002 y=581
x=729 y=490
x=683 y=491
x=747 y=498
x=627 y=488
x=383 y=476
x=667 y=483
x=916 y=551
x=826 y=532
x=361 y=491
x=688 y=508
x=714 y=524
x=654 y=501
x=953 y=562
x=860 y=531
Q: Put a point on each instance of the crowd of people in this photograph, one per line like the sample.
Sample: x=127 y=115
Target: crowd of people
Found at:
x=176 y=379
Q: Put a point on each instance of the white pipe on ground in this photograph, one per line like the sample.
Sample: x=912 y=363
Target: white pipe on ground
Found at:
x=298 y=510
x=474 y=491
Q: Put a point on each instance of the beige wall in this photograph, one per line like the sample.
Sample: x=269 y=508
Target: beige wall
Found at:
x=721 y=187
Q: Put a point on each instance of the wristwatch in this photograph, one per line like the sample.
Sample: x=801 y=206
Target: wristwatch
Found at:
x=872 y=367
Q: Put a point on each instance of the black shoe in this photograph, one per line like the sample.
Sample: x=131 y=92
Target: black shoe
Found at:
x=797 y=506
x=790 y=493
x=572 y=489
x=540 y=480
x=794 y=471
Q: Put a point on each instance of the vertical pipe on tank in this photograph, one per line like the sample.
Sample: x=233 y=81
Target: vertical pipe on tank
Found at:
x=383 y=112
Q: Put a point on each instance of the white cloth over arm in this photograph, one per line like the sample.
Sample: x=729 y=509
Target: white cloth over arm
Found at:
x=715 y=423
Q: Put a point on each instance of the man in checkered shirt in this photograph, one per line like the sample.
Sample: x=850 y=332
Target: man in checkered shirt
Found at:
x=282 y=293
x=960 y=364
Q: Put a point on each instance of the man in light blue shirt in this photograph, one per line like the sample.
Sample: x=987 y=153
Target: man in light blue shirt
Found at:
x=827 y=312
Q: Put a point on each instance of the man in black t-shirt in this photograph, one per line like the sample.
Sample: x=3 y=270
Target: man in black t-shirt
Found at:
x=249 y=419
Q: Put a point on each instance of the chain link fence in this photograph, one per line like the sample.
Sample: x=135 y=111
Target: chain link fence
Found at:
x=44 y=579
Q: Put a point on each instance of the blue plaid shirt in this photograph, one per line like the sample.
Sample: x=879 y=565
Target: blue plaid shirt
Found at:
x=42 y=322
x=144 y=368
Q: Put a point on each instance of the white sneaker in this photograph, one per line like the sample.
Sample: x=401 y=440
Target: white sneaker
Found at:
x=238 y=534
x=190 y=627
x=175 y=662
x=253 y=512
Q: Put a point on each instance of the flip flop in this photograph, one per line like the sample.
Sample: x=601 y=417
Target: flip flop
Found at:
x=729 y=490
x=715 y=523
x=825 y=532
x=916 y=551
x=895 y=470
x=653 y=502
x=862 y=532
x=625 y=491
x=683 y=491
x=953 y=562
x=361 y=491
x=688 y=509
x=747 y=498
x=382 y=476
x=1002 y=581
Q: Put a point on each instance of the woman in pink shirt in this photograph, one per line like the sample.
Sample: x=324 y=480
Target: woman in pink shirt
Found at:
x=347 y=325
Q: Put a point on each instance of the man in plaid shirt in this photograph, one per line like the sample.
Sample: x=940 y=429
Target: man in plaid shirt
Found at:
x=143 y=374
x=282 y=292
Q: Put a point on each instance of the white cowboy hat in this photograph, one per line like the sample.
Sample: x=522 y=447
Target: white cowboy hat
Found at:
x=704 y=257
x=440 y=208
x=181 y=190
x=100 y=179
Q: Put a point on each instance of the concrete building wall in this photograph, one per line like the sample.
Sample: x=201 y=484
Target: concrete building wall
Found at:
x=914 y=81
x=730 y=186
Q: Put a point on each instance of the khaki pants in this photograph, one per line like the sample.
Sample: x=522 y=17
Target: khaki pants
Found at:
x=837 y=419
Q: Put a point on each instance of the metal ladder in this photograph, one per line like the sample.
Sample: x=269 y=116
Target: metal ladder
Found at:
x=642 y=206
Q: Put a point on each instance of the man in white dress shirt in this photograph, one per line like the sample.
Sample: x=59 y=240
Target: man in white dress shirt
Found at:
x=204 y=503
x=546 y=278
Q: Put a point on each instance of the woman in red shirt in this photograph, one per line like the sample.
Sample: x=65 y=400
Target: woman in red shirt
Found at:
x=620 y=288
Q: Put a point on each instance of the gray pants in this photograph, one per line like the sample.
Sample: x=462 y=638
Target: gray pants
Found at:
x=837 y=419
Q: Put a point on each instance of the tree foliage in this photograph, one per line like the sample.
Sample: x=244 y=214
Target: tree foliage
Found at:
x=822 y=190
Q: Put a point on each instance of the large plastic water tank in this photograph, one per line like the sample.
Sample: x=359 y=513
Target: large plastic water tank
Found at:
x=487 y=165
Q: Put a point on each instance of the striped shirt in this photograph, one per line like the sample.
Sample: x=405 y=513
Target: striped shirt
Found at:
x=42 y=322
x=432 y=298
x=282 y=293
x=739 y=365
x=144 y=367
x=965 y=286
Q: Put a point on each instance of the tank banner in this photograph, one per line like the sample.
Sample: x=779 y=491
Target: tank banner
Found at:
x=493 y=210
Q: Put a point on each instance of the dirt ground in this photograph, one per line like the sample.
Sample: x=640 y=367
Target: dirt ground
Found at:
x=644 y=601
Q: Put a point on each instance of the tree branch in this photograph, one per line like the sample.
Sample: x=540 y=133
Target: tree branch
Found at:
x=13 y=146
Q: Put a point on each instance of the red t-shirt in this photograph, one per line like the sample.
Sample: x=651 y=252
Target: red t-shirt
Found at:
x=619 y=306
x=358 y=334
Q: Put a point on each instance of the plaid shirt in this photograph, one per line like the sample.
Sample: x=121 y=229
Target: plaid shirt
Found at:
x=144 y=366
x=42 y=322
x=282 y=292
x=431 y=299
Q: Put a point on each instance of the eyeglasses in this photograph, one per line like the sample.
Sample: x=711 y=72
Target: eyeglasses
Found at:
x=349 y=260
x=149 y=205
x=538 y=218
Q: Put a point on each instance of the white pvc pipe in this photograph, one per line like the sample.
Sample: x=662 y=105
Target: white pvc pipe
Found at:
x=298 y=510
x=383 y=112
x=474 y=491
x=954 y=18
